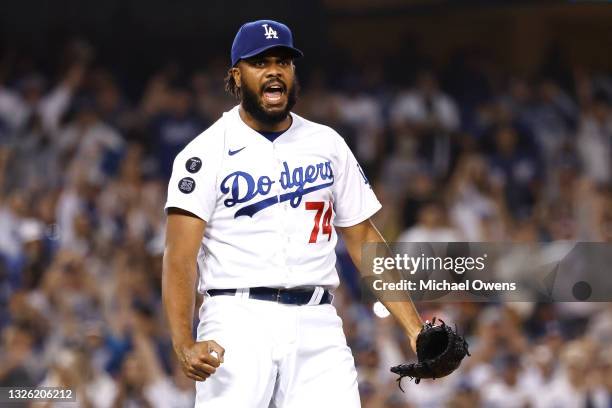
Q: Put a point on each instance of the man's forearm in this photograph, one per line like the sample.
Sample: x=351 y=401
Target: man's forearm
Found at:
x=403 y=310
x=178 y=282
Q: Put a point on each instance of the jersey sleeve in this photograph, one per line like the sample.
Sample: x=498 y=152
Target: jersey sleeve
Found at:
x=354 y=199
x=192 y=186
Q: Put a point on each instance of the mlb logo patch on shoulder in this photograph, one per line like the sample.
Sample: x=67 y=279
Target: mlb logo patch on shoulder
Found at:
x=186 y=185
x=193 y=165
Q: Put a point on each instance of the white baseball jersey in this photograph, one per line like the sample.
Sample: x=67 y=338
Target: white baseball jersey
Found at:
x=270 y=207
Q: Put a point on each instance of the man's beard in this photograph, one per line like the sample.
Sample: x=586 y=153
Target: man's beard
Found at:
x=252 y=104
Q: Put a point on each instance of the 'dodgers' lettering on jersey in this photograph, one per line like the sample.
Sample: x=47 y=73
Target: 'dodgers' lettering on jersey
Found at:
x=242 y=187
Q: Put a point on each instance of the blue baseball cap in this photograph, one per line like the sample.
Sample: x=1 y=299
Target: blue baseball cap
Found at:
x=258 y=36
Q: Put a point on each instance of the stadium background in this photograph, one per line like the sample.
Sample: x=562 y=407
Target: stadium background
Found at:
x=475 y=121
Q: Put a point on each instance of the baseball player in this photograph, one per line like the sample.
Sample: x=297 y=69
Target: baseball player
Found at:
x=254 y=207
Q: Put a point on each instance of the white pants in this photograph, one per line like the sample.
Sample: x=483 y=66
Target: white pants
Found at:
x=276 y=355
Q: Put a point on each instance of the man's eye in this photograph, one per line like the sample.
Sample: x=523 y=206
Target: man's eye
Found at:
x=259 y=63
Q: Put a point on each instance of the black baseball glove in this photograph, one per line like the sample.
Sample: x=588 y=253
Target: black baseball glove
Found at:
x=440 y=350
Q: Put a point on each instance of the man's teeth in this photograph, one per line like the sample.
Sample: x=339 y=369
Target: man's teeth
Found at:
x=273 y=95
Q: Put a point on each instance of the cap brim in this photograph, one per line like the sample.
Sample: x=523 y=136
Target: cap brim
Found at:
x=295 y=53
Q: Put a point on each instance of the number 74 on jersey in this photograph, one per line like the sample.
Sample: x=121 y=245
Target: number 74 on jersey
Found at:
x=319 y=207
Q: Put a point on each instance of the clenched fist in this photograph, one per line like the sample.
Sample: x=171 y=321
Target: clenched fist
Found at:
x=200 y=360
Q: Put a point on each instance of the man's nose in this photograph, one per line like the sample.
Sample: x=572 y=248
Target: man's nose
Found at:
x=274 y=70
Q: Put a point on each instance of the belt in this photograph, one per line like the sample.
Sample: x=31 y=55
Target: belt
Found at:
x=284 y=296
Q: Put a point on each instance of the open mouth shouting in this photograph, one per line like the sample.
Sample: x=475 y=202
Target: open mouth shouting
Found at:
x=274 y=93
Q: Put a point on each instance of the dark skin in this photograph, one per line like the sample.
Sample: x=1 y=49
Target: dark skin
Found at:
x=183 y=236
x=273 y=65
x=184 y=232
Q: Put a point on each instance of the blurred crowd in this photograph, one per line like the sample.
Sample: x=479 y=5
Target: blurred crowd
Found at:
x=466 y=152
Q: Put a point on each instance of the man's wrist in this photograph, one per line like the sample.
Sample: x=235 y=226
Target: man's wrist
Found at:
x=413 y=332
x=182 y=343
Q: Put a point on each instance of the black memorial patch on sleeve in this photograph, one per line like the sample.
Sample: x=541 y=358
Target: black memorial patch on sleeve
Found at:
x=193 y=165
x=186 y=185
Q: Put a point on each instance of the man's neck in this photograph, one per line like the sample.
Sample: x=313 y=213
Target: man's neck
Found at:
x=264 y=127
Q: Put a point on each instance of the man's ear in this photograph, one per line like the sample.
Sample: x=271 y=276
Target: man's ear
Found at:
x=236 y=74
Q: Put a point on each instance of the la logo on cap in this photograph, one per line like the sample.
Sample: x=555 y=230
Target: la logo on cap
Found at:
x=269 y=32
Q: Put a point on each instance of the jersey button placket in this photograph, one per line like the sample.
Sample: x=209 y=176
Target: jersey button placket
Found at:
x=282 y=212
